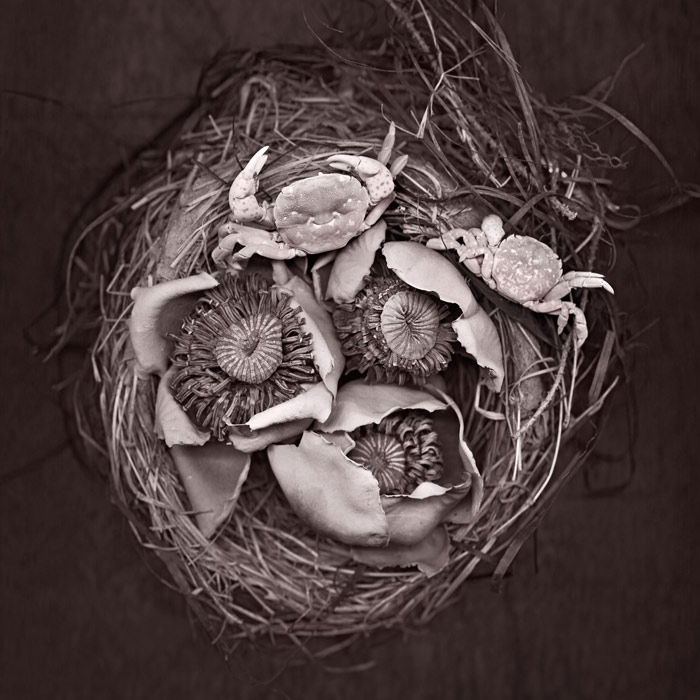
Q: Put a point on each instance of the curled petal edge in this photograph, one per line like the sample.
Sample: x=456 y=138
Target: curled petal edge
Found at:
x=329 y=492
x=172 y=423
x=341 y=499
x=158 y=310
x=430 y=555
x=352 y=264
x=213 y=476
x=359 y=403
x=426 y=269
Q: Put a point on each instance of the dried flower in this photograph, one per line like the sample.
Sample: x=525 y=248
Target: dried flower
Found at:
x=393 y=333
x=243 y=349
x=401 y=316
x=383 y=474
x=402 y=451
x=254 y=361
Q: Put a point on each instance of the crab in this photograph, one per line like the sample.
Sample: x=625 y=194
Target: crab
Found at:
x=312 y=215
x=522 y=269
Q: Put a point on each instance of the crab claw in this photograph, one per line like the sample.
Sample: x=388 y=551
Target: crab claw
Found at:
x=251 y=241
x=375 y=175
x=241 y=197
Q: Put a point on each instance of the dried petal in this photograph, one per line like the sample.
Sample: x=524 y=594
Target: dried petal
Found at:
x=329 y=492
x=325 y=487
x=212 y=476
x=430 y=555
x=426 y=269
x=352 y=264
x=360 y=404
x=227 y=368
x=327 y=353
x=158 y=311
x=172 y=423
x=246 y=440
x=393 y=333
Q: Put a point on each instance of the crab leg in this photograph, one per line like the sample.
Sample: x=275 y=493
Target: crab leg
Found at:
x=564 y=310
x=577 y=280
x=475 y=246
x=241 y=197
x=253 y=241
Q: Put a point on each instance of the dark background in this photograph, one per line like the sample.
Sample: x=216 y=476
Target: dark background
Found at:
x=612 y=609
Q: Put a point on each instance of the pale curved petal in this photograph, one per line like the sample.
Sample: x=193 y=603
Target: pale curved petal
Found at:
x=455 y=452
x=247 y=440
x=455 y=497
x=352 y=264
x=171 y=422
x=315 y=401
x=412 y=519
x=212 y=476
x=428 y=270
x=327 y=351
x=320 y=273
x=479 y=337
x=159 y=310
x=329 y=492
x=359 y=404
x=430 y=555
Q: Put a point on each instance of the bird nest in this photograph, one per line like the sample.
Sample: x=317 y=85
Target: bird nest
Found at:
x=478 y=142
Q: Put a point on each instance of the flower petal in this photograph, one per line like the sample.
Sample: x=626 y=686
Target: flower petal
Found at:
x=212 y=476
x=314 y=402
x=456 y=452
x=455 y=497
x=430 y=555
x=329 y=357
x=159 y=310
x=359 y=404
x=172 y=424
x=247 y=440
x=413 y=519
x=320 y=273
x=428 y=270
x=479 y=337
x=353 y=263
x=329 y=492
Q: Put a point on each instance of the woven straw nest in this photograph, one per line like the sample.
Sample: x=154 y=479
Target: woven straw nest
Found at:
x=478 y=141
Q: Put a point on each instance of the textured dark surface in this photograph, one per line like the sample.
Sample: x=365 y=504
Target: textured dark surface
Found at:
x=613 y=610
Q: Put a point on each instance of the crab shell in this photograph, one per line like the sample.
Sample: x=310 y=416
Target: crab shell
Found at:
x=321 y=213
x=525 y=269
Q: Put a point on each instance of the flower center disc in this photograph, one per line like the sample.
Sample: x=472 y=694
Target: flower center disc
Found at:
x=409 y=323
x=384 y=456
x=251 y=349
